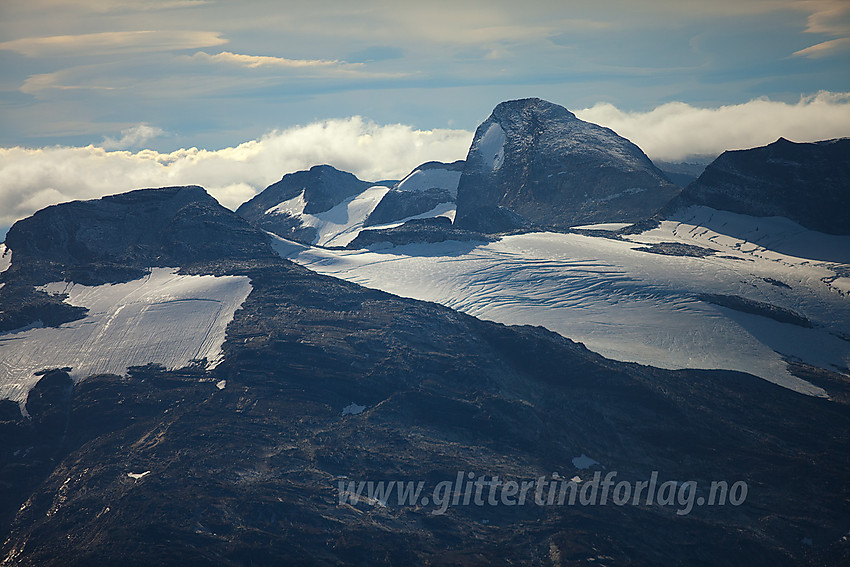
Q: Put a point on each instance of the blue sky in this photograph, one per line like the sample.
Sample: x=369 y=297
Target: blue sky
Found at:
x=152 y=77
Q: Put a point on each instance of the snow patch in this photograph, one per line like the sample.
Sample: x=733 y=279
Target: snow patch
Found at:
x=610 y=226
x=353 y=409
x=422 y=180
x=137 y=476
x=491 y=146
x=292 y=207
x=342 y=223
x=6 y=258
x=162 y=318
x=221 y=384
x=447 y=210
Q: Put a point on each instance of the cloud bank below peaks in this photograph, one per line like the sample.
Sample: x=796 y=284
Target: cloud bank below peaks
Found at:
x=677 y=131
x=33 y=178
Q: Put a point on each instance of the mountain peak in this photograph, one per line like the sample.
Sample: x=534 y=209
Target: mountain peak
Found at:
x=534 y=163
x=534 y=105
x=168 y=226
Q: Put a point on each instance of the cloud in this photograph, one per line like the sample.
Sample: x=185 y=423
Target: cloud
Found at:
x=676 y=131
x=263 y=60
x=827 y=17
x=824 y=49
x=830 y=17
x=133 y=137
x=33 y=178
x=109 y=43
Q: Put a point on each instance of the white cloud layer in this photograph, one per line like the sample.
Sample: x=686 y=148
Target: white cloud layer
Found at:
x=676 y=131
x=31 y=179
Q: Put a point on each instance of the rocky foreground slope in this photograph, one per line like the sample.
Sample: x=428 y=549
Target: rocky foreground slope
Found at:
x=324 y=382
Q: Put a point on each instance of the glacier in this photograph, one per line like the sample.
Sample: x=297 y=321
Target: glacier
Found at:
x=632 y=305
x=164 y=318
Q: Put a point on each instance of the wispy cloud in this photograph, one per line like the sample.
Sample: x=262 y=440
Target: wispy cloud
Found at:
x=830 y=17
x=110 y=43
x=677 y=131
x=827 y=17
x=47 y=81
x=107 y=6
x=34 y=178
x=825 y=49
x=253 y=61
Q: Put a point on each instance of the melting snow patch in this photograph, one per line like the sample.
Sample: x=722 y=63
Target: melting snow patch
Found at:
x=583 y=462
x=137 y=476
x=352 y=409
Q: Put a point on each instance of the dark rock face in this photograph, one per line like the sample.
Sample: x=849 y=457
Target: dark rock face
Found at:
x=171 y=226
x=534 y=163
x=323 y=187
x=437 y=229
x=402 y=202
x=808 y=183
x=178 y=467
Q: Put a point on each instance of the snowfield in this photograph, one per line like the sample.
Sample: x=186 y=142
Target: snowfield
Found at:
x=5 y=258
x=492 y=146
x=632 y=305
x=339 y=225
x=163 y=318
x=424 y=179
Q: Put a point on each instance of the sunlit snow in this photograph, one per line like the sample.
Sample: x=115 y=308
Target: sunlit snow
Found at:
x=339 y=225
x=163 y=318
x=5 y=258
x=424 y=179
x=491 y=146
x=629 y=304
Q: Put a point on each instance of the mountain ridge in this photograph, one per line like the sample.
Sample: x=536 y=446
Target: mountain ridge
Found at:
x=805 y=182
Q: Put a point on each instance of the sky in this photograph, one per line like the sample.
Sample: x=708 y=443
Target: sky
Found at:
x=103 y=96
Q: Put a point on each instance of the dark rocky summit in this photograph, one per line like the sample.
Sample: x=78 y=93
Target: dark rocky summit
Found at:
x=323 y=187
x=171 y=226
x=533 y=163
x=242 y=464
x=808 y=183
